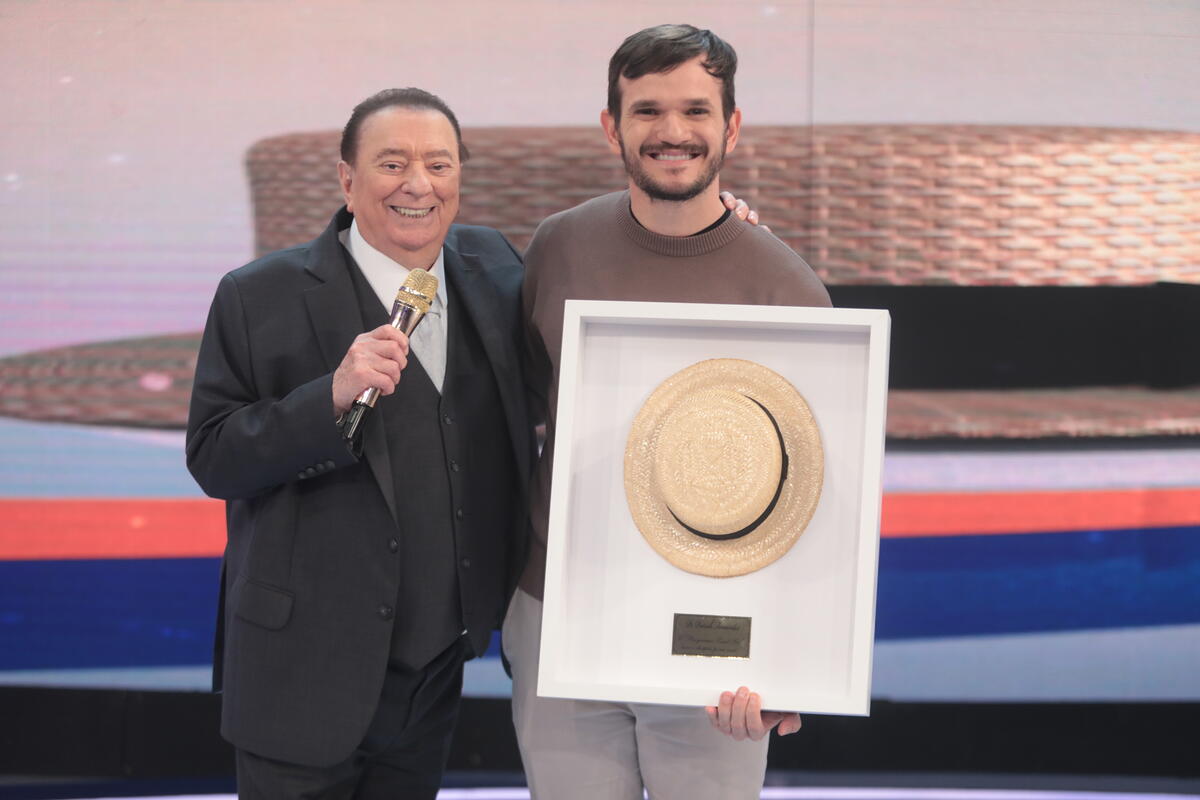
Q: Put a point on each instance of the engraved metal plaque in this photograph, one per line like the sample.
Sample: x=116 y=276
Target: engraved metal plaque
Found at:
x=712 y=637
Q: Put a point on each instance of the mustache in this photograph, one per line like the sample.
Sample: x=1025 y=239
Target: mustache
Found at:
x=689 y=149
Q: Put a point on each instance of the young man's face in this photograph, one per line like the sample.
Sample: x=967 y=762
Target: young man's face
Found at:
x=403 y=185
x=672 y=135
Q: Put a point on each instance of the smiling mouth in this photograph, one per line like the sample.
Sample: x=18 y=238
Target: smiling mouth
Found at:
x=412 y=213
x=676 y=153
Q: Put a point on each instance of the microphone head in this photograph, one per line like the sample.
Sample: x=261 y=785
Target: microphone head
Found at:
x=418 y=290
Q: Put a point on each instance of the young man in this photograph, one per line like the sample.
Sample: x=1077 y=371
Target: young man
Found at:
x=671 y=117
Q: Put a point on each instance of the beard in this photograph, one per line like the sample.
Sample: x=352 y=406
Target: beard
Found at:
x=655 y=190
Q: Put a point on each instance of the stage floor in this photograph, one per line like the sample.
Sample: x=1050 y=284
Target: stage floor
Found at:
x=780 y=785
x=813 y=793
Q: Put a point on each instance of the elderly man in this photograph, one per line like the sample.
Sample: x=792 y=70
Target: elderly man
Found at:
x=671 y=117
x=359 y=575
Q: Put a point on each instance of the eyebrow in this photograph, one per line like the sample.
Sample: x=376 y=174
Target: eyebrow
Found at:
x=399 y=151
x=638 y=105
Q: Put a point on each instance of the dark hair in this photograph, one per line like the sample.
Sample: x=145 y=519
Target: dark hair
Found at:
x=664 y=47
x=396 y=98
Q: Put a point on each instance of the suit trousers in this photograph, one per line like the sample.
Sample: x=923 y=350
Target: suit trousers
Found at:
x=402 y=755
x=590 y=750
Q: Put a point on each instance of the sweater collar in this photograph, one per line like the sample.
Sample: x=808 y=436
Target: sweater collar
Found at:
x=680 y=246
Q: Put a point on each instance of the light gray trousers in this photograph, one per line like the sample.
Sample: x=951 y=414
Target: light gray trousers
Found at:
x=589 y=750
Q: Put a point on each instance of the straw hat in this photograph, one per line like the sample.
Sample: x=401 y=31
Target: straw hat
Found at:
x=723 y=467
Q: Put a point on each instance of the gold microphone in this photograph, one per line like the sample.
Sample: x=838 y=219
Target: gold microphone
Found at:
x=412 y=301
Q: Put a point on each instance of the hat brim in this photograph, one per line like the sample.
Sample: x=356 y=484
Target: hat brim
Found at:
x=799 y=494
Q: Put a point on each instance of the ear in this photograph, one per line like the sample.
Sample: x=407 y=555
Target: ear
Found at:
x=610 y=131
x=732 y=128
x=345 y=179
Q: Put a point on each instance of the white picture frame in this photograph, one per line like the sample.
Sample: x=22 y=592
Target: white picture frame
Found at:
x=610 y=599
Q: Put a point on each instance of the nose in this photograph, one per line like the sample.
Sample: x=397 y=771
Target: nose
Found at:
x=672 y=129
x=416 y=181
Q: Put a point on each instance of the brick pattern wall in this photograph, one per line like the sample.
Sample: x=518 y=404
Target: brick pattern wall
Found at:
x=879 y=204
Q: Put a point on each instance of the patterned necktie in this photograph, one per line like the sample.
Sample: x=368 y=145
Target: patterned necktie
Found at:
x=429 y=342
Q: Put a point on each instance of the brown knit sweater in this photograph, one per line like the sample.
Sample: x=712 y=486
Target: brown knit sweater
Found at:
x=599 y=251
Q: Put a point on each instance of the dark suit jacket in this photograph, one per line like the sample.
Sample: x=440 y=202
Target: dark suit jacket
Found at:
x=301 y=645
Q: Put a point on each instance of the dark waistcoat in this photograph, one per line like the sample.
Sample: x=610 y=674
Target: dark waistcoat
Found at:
x=455 y=489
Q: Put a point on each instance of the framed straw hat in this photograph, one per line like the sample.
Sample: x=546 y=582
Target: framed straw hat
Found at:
x=723 y=467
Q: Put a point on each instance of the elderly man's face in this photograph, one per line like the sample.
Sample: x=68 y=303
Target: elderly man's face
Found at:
x=672 y=135
x=403 y=185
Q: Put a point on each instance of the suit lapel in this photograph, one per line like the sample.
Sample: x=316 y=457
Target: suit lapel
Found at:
x=336 y=319
x=479 y=302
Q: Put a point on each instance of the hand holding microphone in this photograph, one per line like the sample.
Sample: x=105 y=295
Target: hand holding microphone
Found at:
x=377 y=357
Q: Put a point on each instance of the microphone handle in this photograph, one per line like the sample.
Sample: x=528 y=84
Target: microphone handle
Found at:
x=404 y=319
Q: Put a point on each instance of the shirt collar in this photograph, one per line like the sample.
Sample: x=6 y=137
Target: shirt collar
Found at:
x=385 y=275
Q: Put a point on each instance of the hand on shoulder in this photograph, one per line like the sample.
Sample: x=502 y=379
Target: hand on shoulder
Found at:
x=741 y=209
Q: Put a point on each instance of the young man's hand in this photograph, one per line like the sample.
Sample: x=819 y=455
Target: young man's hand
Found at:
x=741 y=716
